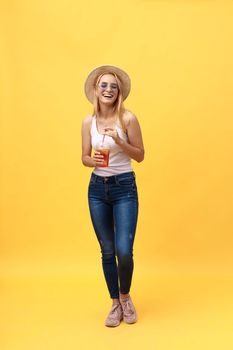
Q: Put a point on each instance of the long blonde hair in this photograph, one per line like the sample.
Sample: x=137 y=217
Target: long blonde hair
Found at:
x=118 y=107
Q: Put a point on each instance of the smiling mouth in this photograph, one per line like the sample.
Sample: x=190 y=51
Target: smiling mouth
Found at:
x=108 y=96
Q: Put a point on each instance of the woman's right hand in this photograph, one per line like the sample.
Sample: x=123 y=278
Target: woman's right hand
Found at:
x=98 y=159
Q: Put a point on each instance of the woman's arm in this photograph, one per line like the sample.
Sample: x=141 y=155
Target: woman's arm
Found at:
x=134 y=149
x=87 y=160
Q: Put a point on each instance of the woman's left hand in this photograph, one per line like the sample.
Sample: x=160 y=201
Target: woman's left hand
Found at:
x=112 y=133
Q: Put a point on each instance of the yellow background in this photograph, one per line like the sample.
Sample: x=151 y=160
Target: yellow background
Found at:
x=179 y=55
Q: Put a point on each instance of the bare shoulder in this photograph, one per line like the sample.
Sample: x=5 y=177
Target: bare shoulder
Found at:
x=87 y=120
x=86 y=124
x=129 y=117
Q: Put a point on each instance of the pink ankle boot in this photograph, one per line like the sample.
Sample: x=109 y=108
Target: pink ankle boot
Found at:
x=129 y=312
x=115 y=316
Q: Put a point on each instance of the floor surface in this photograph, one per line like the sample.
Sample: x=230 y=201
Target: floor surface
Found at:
x=48 y=309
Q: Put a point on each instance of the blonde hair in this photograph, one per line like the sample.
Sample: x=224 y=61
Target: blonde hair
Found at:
x=118 y=107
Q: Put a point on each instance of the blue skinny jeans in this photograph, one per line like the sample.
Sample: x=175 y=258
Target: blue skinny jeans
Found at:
x=113 y=204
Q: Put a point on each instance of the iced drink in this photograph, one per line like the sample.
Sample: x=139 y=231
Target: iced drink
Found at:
x=105 y=153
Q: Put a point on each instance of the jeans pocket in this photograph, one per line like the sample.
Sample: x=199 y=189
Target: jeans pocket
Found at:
x=126 y=182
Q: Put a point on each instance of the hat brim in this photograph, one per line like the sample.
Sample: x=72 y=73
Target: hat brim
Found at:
x=95 y=73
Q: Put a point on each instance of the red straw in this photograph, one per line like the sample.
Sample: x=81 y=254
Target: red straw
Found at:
x=102 y=142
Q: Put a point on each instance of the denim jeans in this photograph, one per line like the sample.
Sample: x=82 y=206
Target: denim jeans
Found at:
x=113 y=203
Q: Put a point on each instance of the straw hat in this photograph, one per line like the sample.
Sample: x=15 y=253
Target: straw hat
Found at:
x=95 y=73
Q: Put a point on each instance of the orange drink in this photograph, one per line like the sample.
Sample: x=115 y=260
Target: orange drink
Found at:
x=105 y=153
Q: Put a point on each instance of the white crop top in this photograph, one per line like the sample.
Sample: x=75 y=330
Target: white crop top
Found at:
x=119 y=161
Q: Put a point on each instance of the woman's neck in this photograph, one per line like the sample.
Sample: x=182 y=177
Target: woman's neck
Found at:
x=106 y=112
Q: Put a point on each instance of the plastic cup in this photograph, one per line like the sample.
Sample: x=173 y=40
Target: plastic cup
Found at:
x=105 y=153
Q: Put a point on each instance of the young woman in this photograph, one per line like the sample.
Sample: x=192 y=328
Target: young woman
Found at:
x=112 y=191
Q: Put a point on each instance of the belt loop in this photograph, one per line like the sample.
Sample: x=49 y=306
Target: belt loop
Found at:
x=94 y=177
x=116 y=180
